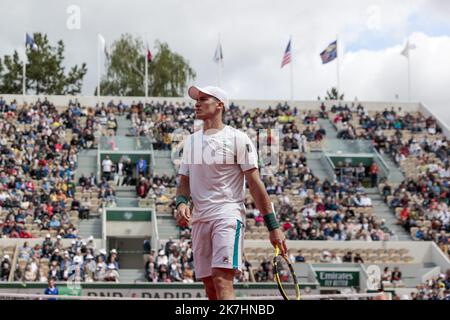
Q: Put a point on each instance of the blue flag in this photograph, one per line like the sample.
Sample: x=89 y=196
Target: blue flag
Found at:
x=330 y=53
x=29 y=41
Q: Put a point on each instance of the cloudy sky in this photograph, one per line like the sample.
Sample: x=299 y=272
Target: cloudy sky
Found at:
x=254 y=34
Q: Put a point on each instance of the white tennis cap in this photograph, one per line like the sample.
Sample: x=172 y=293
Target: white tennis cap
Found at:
x=216 y=92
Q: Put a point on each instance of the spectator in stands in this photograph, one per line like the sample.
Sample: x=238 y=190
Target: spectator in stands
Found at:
x=348 y=257
x=51 y=289
x=5 y=268
x=358 y=258
x=25 y=251
x=142 y=187
x=107 y=168
x=443 y=239
x=141 y=167
x=101 y=269
x=373 y=171
x=335 y=258
x=89 y=268
x=360 y=172
x=112 y=275
x=54 y=271
x=299 y=257
x=188 y=274
x=30 y=274
x=396 y=277
x=387 y=275
x=325 y=257
x=120 y=171
x=147 y=250
x=150 y=270
x=260 y=275
x=111 y=123
x=113 y=259
x=84 y=209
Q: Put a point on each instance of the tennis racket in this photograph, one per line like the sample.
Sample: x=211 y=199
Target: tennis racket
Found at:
x=285 y=276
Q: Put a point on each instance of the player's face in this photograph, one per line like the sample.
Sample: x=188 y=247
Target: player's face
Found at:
x=207 y=107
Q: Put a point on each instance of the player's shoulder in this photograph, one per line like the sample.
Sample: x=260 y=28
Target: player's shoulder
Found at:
x=195 y=135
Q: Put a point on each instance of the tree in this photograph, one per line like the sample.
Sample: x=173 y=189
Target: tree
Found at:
x=45 y=73
x=332 y=94
x=168 y=72
x=11 y=74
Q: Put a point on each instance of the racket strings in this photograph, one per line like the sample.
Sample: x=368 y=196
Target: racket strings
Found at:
x=285 y=277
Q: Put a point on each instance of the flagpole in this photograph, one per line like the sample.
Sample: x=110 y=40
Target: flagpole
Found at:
x=98 y=66
x=24 y=69
x=409 y=75
x=292 y=70
x=219 y=64
x=146 y=71
x=409 y=80
x=337 y=67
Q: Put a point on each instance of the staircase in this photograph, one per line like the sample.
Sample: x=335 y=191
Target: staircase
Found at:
x=87 y=163
x=163 y=163
x=334 y=145
x=395 y=175
x=315 y=164
x=123 y=124
x=167 y=227
x=126 y=192
x=131 y=275
x=91 y=227
x=382 y=211
x=331 y=132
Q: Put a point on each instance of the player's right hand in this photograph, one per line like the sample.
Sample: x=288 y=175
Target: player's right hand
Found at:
x=278 y=239
x=183 y=215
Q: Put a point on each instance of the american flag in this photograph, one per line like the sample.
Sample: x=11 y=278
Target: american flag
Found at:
x=287 y=55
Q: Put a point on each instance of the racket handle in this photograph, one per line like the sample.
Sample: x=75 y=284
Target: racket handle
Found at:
x=277 y=250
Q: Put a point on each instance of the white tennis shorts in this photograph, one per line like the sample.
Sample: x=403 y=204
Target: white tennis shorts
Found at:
x=217 y=244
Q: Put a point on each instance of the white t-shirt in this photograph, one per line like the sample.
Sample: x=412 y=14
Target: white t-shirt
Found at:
x=215 y=164
x=107 y=164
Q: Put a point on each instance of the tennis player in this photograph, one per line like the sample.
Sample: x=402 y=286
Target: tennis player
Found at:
x=216 y=162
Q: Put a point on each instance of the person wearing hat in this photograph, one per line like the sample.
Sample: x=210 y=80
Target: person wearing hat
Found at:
x=112 y=274
x=91 y=243
x=102 y=254
x=216 y=162
x=56 y=256
x=113 y=258
x=47 y=241
x=89 y=268
x=58 y=243
x=65 y=265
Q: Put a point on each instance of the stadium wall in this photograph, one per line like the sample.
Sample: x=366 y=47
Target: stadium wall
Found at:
x=421 y=251
x=146 y=290
x=427 y=112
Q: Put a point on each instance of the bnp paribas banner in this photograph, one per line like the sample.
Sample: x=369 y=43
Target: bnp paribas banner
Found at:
x=145 y=290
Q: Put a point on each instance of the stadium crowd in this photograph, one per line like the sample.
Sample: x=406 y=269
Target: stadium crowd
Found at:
x=415 y=143
x=52 y=260
x=436 y=288
x=39 y=147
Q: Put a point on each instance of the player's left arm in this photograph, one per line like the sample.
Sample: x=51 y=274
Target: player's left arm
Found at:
x=263 y=204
